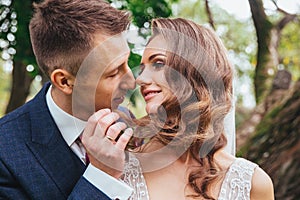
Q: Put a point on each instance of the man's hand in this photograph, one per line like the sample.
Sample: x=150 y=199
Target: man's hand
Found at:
x=98 y=138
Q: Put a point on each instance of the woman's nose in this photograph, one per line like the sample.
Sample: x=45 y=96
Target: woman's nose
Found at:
x=144 y=78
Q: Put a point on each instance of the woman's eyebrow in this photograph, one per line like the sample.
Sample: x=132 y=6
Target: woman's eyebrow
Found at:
x=154 y=55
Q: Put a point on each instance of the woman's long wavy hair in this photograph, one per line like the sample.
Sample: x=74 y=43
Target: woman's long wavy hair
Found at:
x=200 y=77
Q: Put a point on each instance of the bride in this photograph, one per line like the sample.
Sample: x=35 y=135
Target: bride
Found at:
x=186 y=81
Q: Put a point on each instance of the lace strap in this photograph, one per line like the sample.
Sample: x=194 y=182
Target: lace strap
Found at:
x=133 y=176
x=237 y=182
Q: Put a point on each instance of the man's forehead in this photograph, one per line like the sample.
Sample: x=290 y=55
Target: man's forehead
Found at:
x=110 y=48
x=117 y=62
x=110 y=52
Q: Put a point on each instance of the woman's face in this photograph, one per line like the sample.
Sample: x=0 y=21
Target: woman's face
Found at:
x=154 y=86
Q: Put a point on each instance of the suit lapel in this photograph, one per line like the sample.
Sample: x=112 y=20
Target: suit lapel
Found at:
x=50 y=149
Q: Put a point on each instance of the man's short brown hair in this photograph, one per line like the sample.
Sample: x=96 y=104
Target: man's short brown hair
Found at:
x=62 y=31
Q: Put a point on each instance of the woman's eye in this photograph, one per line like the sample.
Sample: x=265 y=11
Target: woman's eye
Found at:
x=158 y=65
x=141 y=69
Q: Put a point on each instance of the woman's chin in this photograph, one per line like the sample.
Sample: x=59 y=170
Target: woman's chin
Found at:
x=152 y=108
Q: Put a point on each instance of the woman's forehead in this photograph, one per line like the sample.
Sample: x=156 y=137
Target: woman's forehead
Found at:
x=157 y=43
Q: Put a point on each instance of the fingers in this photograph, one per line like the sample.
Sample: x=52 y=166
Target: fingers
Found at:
x=105 y=123
x=93 y=121
x=105 y=154
x=115 y=129
x=124 y=139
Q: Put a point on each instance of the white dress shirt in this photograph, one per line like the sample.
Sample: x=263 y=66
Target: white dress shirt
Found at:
x=70 y=128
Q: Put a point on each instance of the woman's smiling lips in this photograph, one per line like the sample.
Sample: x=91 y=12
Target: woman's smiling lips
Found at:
x=148 y=94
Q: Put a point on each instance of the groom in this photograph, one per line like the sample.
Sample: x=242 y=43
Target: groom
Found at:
x=79 y=46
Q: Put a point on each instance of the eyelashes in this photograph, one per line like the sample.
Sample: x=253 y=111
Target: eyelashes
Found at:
x=155 y=65
x=142 y=67
x=158 y=65
x=114 y=74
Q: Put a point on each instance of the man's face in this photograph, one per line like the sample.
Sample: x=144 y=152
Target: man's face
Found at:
x=104 y=76
x=114 y=83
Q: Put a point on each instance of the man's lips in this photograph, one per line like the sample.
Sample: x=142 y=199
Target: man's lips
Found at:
x=148 y=94
x=119 y=100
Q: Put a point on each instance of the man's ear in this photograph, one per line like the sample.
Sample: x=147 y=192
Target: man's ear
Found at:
x=63 y=80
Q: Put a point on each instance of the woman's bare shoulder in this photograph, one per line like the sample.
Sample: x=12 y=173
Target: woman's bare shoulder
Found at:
x=262 y=186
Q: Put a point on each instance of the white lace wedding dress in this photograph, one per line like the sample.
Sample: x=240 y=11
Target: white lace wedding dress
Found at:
x=235 y=186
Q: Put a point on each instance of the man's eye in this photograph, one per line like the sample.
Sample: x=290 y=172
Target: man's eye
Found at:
x=114 y=74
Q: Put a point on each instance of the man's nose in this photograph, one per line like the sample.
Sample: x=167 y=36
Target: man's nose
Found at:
x=128 y=81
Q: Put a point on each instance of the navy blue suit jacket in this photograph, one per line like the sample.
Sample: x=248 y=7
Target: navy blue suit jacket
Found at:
x=35 y=161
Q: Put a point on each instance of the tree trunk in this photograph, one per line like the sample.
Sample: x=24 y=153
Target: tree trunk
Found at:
x=281 y=84
x=268 y=38
x=21 y=79
x=21 y=82
x=266 y=52
x=276 y=145
x=209 y=15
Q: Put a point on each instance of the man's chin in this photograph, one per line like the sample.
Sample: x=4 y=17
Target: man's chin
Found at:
x=114 y=105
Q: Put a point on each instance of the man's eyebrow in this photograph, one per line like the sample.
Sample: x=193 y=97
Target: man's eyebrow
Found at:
x=116 y=67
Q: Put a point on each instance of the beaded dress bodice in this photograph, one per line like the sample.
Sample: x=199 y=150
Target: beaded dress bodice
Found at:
x=237 y=182
x=133 y=176
x=235 y=186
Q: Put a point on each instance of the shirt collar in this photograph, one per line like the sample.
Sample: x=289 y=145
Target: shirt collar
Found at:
x=69 y=126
